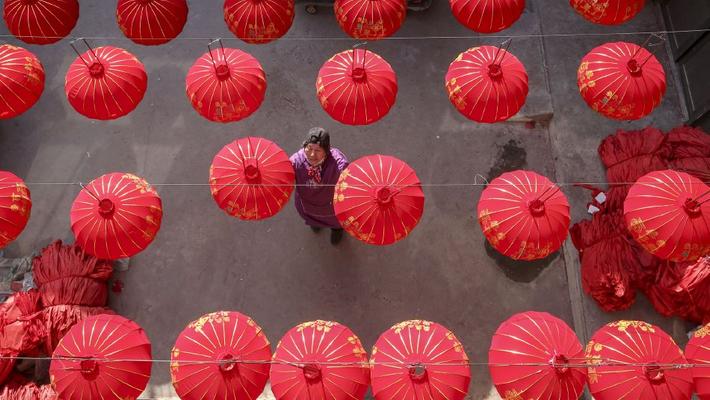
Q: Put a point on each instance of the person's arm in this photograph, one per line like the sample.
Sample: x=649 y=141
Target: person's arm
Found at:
x=340 y=159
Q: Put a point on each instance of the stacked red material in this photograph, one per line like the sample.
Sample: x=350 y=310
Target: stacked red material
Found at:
x=690 y=151
x=21 y=325
x=19 y=388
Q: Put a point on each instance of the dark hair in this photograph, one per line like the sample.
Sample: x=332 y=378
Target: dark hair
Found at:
x=320 y=137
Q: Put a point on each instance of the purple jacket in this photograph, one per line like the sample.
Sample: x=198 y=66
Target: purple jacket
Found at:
x=314 y=202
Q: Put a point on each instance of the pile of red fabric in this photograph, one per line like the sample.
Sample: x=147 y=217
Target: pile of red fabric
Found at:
x=19 y=388
x=690 y=151
x=21 y=329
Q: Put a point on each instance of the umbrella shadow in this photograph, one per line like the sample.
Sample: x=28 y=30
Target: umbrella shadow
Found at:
x=519 y=270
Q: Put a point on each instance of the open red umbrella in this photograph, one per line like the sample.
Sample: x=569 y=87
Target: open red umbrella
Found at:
x=378 y=199
x=151 y=22
x=226 y=85
x=102 y=357
x=222 y=355
x=356 y=87
x=320 y=360
x=487 y=84
x=697 y=351
x=621 y=81
x=634 y=360
x=608 y=12
x=668 y=213
x=530 y=358
x=419 y=360
x=105 y=83
x=259 y=21
x=21 y=80
x=116 y=216
x=15 y=207
x=41 y=21
x=370 y=19
x=487 y=16
x=251 y=178
x=524 y=215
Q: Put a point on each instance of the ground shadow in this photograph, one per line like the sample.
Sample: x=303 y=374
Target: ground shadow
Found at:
x=517 y=270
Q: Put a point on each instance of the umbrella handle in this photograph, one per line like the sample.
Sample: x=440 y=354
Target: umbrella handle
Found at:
x=364 y=57
x=209 y=50
x=84 y=187
x=71 y=43
x=505 y=44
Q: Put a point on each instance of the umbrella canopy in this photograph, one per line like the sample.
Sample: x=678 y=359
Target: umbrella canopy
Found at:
x=259 y=21
x=116 y=216
x=226 y=85
x=668 y=213
x=21 y=80
x=251 y=178
x=15 y=207
x=356 y=87
x=151 y=22
x=621 y=81
x=102 y=357
x=370 y=19
x=487 y=16
x=222 y=355
x=487 y=84
x=306 y=364
x=609 y=12
x=524 y=215
x=41 y=21
x=649 y=350
x=536 y=338
x=378 y=199
x=419 y=360
x=697 y=351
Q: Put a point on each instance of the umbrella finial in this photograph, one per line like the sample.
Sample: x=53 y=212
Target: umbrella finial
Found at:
x=384 y=195
x=537 y=208
x=106 y=208
x=692 y=207
x=654 y=373
x=560 y=363
x=228 y=363
x=417 y=372
x=251 y=169
x=312 y=372
x=89 y=369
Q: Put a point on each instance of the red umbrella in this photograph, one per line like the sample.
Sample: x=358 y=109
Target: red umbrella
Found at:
x=15 y=207
x=378 y=199
x=251 y=178
x=222 y=355
x=320 y=360
x=21 y=80
x=41 y=21
x=487 y=84
x=116 y=216
x=370 y=19
x=630 y=360
x=259 y=21
x=487 y=16
x=226 y=86
x=151 y=22
x=524 y=215
x=530 y=357
x=621 y=81
x=698 y=352
x=609 y=12
x=105 y=83
x=668 y=213
x=419 y=360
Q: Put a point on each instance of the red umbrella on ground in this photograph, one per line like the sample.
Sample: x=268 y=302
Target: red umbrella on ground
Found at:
x=370 y=19
x=356 y=87
x=668 y=213
x=630 y=360
x=151 y=22
x=222 y=355
x=116 y=216
x=609 y=12
x=21 y=80
x=419 y=360
x=621 y=81
x=102 y=357
x=530 y=357
x=15 y=207
x=41 y=21
x=378 y=199
x=487 y=84
x=320 y=360
x=697 y=351
x=487 y=16
x=259 y=21
x=251 y=178
x=524 y=215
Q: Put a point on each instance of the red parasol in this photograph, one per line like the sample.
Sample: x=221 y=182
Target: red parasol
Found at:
x=15 y=207
x=222 y=355
x=378 y=199
x=320 y=360
x=356 y=87
x=259 y=21
x=621 y=81
x=649 y=350
x=668 y=213
x=487 y=84
x=524 y=215
x=419 y=360
x=41 y=21
x=370 y=19
x=608 y=12
x=116 y=216
x=105 y=83
x=697 y=351
x=251 y=178
x=487 y=16
x=226 y=86
x=531 y=338
x=102 y=357
x=151 y=22
x=21 y=80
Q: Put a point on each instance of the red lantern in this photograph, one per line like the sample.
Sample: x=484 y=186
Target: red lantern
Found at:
x=487 y=16
x=370 y=19
x=259 y=21
x=21 y=80
x=15 y=207
x=607 y=12
x=151 y=22
x=41 y=21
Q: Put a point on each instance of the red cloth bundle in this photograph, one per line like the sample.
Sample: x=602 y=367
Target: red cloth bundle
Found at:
x=696 y=283
x=6 y=364
x=690 y=151
x=74 y=290
x=21 y=323
x=59 y=319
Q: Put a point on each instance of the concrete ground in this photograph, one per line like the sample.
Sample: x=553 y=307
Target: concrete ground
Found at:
x=278 y=271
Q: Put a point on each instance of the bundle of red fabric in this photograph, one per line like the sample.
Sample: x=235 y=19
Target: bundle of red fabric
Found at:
x=21 y=326
x=690 y=151
x=19 y=388
x=60 y=319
